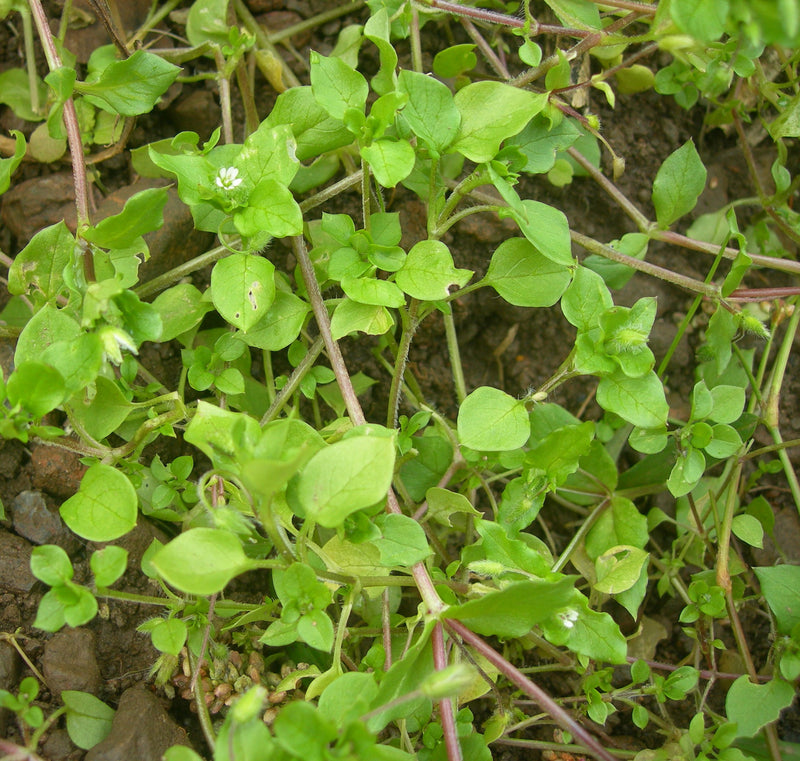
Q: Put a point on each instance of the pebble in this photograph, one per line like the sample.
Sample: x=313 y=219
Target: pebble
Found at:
x=9 y=674
x=15 y=563
x=56 y=471
x=70 y=662
x=38 y=524
x=141 y=730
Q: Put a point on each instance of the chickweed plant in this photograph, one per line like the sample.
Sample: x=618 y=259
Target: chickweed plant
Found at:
x=414 y=587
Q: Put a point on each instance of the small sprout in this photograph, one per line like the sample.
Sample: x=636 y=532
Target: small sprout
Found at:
x=228 y=178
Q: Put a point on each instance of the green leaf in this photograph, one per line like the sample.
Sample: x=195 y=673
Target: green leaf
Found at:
x=753 y=706
x=541 y=140
x=621 y=523
x=728 y=403
x=51 y=564
x=402 y=542
x=350 y=317
x=181 y=308
x=243 y=288
x=372 y=291
x=348 y=698
x=314 y=129
x=619 y=568
x=48 y=326
x=780 y=586
x=582 y=14
x=207 y=22
x=678 y=184
x=748 y=529
x=16 y=94
x=516 y=609
x=585 y=631
x=558 y=453
x=585 y=300
x=546 y=227
x=108 y=564
x=8 y=166
x=315 y=628
x=428 y=272
x=105 y=506
x=169 y=635
x=431 y=111
x=88 y=718
x=271 y=208
x=130 y=87
x=347 y=476
x=336 y=86
x=443 y=503
x=281 y=325
x=102 y=414
x=268 y=154
x=40 y=265
x=201 y=561
x=142 y=214
x=391 y=161
x=490 y=113
x=640 y=401
x=454 y=60
x=222 y=435
x=37 y=387
x=378 y=31
x=524 y=277
x=702 y=19
x=490 y=420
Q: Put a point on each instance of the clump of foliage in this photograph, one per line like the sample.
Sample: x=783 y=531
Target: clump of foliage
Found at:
x=354 y=521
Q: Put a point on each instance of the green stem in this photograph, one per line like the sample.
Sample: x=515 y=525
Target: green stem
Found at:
x=579 y=535
x=314 y=21
x=265 y=46
x=410 y=323
x=455 y=356
x=169 y=278
x=285 y=394
x=46 y=725
x=682 y=281
x=772 y=402
x=30 y=59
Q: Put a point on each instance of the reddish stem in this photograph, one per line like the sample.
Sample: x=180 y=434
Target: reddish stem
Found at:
x=513 y=674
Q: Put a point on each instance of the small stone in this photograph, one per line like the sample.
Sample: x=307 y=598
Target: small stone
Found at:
x=141 y=730
x=58 y=746
x=38 y=524
x=70 y=662
x=34 y=204
x=56 y=471
x=9 y=674
x=15 y=563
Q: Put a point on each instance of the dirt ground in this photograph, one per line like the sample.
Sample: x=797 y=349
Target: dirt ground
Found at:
x=501 y=345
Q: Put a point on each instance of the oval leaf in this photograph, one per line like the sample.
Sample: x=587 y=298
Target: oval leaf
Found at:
x=243 y=289
x=492 y=421
x=104 y=508
x=201 y=561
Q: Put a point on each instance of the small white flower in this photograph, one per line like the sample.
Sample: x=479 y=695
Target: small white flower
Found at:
x=228 y=178
x=568 y=617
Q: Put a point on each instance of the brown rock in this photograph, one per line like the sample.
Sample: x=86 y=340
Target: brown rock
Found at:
x=15 y=563
x=141 y=730
x=9 y=673
x=56 y=471
x=175 y=242
x=197 y=112
x=35 y=204
x=70 y=663
x=34 y=520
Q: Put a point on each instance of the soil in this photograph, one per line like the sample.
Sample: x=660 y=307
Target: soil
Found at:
x=501 y=345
